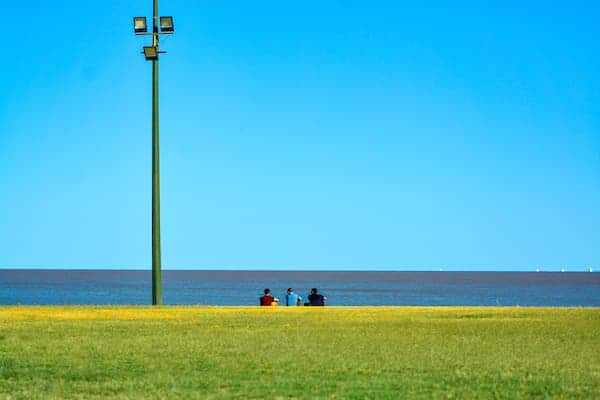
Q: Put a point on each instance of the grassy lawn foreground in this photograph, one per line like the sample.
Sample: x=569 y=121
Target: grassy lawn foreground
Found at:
x=278 y=353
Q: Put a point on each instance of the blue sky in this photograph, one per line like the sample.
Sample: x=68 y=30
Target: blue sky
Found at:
x=334 y=135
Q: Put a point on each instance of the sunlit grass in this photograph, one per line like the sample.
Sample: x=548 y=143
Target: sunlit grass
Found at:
x=304 y=352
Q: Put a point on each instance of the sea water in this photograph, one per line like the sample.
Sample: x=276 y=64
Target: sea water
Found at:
x=349 y=288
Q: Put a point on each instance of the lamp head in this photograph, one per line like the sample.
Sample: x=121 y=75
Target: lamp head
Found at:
x=166 y=25
x=151 y=53
x=139 y=25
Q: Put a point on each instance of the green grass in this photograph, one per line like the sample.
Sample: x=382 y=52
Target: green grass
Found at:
x=278 y=353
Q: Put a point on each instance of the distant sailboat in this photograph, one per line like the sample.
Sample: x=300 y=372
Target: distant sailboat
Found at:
x=537 y=269
x=562 y=270
x=590 y=269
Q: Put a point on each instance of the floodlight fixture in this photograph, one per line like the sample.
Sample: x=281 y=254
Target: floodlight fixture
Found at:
x=151 y=53
x=166 y=25
x=139 y=25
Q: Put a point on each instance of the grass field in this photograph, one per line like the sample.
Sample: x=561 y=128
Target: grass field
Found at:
x=278 y=353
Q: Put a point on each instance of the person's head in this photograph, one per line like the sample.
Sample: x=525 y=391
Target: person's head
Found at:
x=267 y=291
x=313 y=290
x=290 y=290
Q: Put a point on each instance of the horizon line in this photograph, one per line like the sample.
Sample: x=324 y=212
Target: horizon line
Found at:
x=316 y=269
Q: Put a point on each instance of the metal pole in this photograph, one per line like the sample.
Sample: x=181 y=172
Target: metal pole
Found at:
x=156 y=263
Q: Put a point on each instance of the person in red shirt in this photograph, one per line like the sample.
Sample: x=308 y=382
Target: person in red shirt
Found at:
x=268 y=299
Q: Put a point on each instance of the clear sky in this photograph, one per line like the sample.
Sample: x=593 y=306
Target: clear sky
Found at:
x=303 y=135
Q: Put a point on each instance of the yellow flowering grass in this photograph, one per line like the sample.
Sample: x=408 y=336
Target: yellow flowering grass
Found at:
x=121 y=313
x=187 y=352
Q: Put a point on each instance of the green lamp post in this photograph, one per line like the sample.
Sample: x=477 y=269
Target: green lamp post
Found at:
x=160 y=26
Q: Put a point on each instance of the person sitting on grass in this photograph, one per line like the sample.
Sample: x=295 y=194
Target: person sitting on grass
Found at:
x=292 y=299
x=315 y=299
x=268 y=299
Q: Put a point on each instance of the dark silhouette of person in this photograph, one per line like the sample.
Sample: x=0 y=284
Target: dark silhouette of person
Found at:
x=315 y=299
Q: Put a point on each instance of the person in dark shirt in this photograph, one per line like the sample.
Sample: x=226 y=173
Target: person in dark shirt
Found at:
x=315 y=299
x=268 y=299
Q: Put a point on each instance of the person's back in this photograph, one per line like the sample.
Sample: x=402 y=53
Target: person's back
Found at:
x=268 y=299
x=316 y=299
x=292 y=299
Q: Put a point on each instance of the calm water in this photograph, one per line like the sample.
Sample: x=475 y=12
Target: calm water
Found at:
x=342 y=288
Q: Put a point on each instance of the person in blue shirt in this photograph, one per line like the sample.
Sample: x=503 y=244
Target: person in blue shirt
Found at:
x=292 y=299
